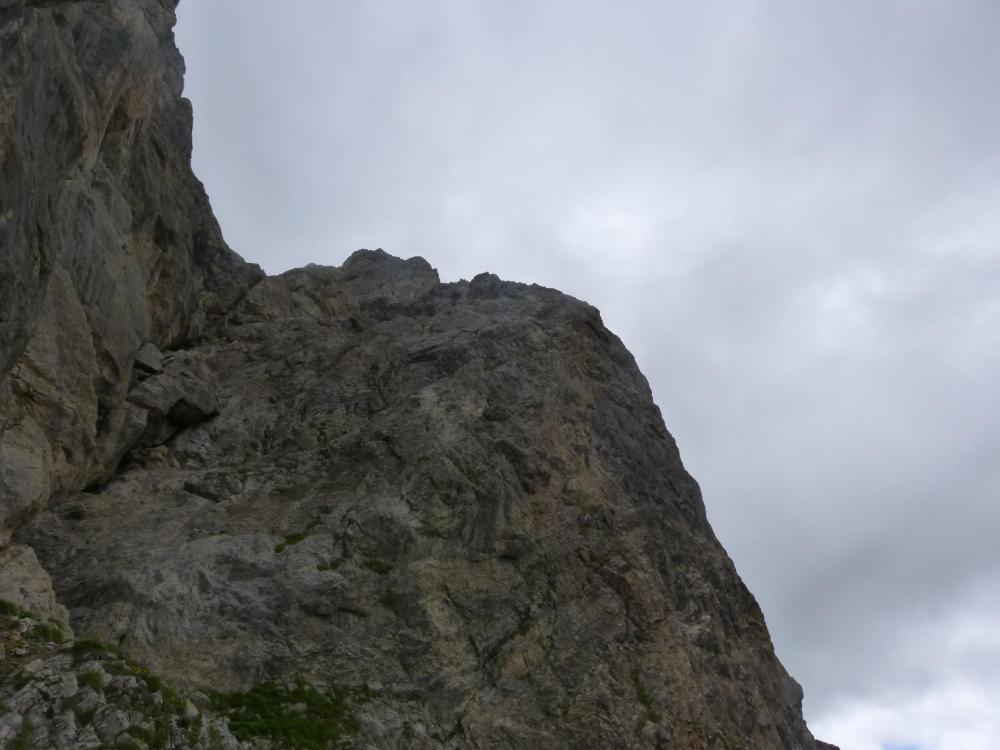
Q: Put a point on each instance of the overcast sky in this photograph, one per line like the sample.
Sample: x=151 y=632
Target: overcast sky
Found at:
x=790 y=213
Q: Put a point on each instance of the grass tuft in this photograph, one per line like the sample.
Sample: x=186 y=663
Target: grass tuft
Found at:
x=9 y=609
x=48 y=631
x=85 y=648
x=92 y=680
x=645 y=698
x=22 y=740
x=299 y=717
x=298 y=536
x=379 y=566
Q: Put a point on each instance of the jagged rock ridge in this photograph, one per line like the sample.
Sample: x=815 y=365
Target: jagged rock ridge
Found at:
x=456 y=502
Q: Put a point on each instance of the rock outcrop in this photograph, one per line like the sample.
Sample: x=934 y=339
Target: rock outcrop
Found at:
x=58 y=692
x=107 y=241
x=446 y=515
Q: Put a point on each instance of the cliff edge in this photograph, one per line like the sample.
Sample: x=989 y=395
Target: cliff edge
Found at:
x=351 y=506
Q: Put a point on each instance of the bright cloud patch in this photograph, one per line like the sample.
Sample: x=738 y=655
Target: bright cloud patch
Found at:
x=951 y=717
x=956 y=658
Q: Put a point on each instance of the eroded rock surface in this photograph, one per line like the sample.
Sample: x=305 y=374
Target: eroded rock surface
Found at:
x=462 y=493
x=25 y=584
x=58 y=693
x=450 y=512
x=107 y=241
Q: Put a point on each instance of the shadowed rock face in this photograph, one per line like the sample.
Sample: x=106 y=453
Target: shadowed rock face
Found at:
x=457 y=500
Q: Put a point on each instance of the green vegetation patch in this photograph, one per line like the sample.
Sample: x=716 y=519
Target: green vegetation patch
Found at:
x=21 y=679
x=378 y=566
x=641 y=691
x=214 y=739
x=644 y=697
x=299 y=717
x=194 y=731
x=22 y=740
x=48 y=631
x=88 y=648
x=118 y=668
x=298 y=536
x=92 y=680
x=157 y=736
x=9 y=609
x=83 y=717
x=173 y=702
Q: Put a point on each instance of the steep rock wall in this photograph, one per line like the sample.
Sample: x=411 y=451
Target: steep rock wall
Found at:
x=107 y=240
x=456 y=502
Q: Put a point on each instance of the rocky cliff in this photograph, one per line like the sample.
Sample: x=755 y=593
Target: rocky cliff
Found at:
x=347 y=505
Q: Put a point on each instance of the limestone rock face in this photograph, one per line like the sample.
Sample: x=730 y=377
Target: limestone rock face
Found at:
x=62 y=694
x=455 y=503
x=25 y=584
x=107 y=241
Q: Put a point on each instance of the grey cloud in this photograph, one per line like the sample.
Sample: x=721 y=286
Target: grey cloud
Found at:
x=787 y=211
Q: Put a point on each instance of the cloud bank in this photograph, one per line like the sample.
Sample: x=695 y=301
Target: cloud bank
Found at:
x=787 y=211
